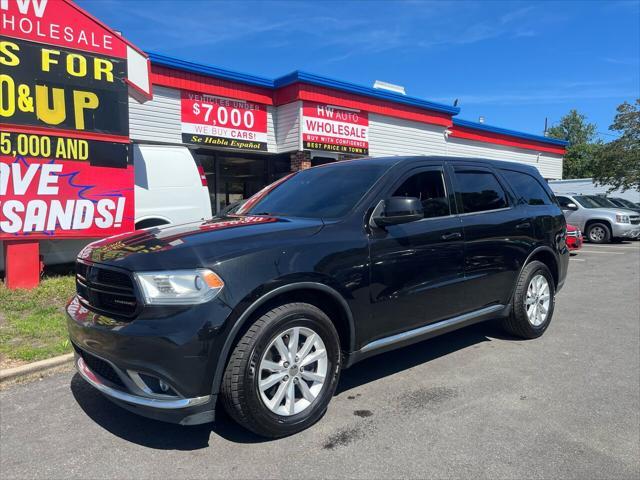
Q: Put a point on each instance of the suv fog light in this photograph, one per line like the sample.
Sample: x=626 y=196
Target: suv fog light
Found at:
x=151 y=385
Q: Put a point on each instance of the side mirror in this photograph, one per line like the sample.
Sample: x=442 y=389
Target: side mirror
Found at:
x=570 y=206
x=397 y=210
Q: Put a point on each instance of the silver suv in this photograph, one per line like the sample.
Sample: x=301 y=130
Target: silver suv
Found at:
x=600 y=223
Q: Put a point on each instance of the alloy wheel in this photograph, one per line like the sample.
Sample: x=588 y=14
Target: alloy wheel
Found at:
x=597 y=234
x=538 y=300
x=292 y=371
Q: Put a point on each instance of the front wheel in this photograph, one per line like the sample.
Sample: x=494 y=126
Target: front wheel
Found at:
x=533 y=302
x=598 y=233
x=283 y=371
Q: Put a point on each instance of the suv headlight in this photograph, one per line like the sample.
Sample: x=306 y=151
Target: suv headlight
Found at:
x=622 y=219
x=179 y=287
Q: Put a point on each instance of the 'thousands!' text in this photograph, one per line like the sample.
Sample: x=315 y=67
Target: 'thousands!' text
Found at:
x=55 y=198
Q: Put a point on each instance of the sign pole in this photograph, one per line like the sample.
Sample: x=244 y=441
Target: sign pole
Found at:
x=21 y=263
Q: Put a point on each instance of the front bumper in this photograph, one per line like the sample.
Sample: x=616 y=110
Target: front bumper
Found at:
x=185 y=411
x=626 y=230
x=118 y=358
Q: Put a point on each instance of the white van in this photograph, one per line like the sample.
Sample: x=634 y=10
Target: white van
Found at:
x=170 y=188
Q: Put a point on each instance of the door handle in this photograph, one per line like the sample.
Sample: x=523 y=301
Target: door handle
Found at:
x=523 y=225
x=452 y=236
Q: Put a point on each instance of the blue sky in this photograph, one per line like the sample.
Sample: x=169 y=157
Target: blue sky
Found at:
x=514 y=63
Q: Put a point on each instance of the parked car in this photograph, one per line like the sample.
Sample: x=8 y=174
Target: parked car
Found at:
x=624 y=203
x=574 y=238
x=600 y=224
x=330 y=266
x=170 y=188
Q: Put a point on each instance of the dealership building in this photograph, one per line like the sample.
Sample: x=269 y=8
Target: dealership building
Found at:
x=247 y=131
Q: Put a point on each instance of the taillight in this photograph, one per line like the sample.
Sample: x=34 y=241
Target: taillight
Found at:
x=203 y=177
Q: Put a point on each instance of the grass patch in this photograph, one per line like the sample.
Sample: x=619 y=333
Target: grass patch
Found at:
x=32 y=322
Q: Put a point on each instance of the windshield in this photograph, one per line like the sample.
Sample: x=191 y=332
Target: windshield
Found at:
x=322 y=192
x=587 y=201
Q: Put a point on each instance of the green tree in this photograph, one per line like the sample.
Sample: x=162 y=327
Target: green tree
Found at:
x=583 y=148
x=618 y=162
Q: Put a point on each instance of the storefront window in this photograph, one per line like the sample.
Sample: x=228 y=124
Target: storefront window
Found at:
x=233 y=177
x=280 y=166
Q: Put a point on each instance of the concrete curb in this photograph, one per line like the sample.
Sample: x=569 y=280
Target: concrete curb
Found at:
x=30 y=368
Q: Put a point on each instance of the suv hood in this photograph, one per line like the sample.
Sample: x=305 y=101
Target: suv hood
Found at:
x=197 y=244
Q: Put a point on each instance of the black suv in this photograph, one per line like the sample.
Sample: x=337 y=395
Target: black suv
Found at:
x=317 y=271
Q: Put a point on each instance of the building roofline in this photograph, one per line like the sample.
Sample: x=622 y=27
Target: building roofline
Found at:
x=208 y=70
x=305 y=77
x=511 y=133
x=573 y=180
x=295 y=77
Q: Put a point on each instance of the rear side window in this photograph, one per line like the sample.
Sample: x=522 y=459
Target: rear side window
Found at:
x=479 y=191
x=527 y=187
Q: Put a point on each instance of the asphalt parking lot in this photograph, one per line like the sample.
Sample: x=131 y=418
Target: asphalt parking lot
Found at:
x=474 y=404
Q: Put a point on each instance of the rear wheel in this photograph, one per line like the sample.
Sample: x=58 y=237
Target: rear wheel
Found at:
x=598 y=233
x=533 y=302
x=283 y=371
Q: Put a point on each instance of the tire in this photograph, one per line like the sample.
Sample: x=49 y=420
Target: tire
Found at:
x=246 y=402
x=599 y=233
x=519 y=322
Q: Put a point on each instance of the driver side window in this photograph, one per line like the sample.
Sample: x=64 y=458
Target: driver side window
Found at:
x=429 y=188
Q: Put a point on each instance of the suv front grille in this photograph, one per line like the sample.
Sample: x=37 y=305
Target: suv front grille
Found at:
x=635 y=220
x=104 y=290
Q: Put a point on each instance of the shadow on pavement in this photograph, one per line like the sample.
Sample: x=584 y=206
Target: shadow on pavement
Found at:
x=152 y=433
x=167 y=436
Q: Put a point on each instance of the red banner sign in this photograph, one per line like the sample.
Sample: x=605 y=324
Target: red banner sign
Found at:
x=65 y=167
x=43 y=198
x=223 y=122
x=335 y=129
